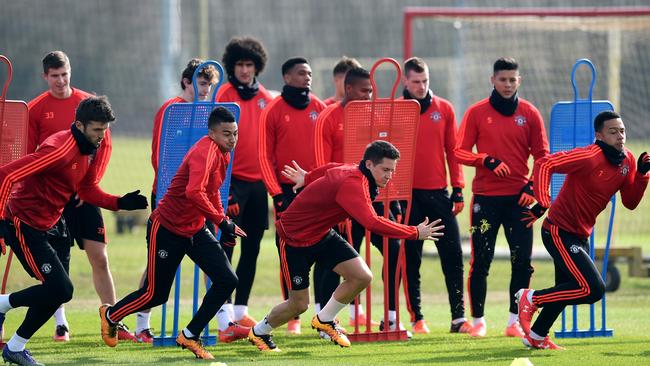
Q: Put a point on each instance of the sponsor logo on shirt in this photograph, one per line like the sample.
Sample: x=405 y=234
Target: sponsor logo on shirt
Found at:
x=520 y=120
x=436 y=116
x=313 y=115
x=625 y=169
x=261 y=103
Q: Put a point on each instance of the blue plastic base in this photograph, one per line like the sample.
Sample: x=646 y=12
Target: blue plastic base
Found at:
x=584 y=333
x=169 y=341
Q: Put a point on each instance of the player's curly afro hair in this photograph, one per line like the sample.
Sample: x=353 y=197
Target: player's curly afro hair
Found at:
x=244 y=48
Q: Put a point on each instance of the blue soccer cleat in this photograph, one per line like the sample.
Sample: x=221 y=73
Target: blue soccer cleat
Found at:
x=22 y=358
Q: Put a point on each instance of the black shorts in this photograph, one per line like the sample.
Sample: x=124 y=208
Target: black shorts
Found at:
x=84 y=222
x=296 y=262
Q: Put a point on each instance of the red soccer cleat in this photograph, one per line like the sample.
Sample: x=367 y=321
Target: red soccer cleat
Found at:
x=526 y=309
x=514 y=330
x=145 y=336
x=293 y=327
x=546 y=343
x=233 y=333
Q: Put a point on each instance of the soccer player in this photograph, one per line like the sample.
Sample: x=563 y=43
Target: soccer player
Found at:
x=286 y=133
x=506 y=130
x=594 y=174
x=177 y=227
x=66 y=163
x=435 y=147
x=328 y=145
x=338 y=78
x=49 y=113
x=332 y=193
x=204 y=80
x=244 y=59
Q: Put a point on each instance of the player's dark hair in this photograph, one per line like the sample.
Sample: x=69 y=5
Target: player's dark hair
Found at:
x=378 y=150
x=209 y=72
x=344 y=65
x=603 y=116
x=55 y=60
x=290 y=63
x=505 y=63
x=355 y=74
x=244 y=48
x=220 y=115
x=95 y=108
x=414 y=64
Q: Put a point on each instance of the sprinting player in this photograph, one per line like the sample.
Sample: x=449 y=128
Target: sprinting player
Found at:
x=49 y=113
x=66 y=163
x=338 y=78
x=506 y=130
x=244 y=59
x=434 y=156
x=332 y=193
x=204 y=80
x=286 y=133
x=594 y=174
x=328 y=145
x=177 y=227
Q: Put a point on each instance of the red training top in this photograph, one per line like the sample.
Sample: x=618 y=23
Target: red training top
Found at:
x=333 y=193
x=286 y=134
x=50 y=176
x=435 y=143
x=193 y=194
x=246 y=164
x=155 y=138
x=590 y=183
x=328 y=135
x=511 y=139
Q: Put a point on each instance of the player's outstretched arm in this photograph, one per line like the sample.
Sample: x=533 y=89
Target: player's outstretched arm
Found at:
x=430 y=230
x=296 y=174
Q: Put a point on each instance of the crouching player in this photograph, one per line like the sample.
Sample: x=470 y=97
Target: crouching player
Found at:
x=594 y=174
x=332 y=193
x=177 y=227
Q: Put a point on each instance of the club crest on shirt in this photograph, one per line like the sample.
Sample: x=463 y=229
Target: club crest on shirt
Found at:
x=520 y=120
x=625 y=169
x=476 y=208
x=261 y=103
x=297 y=280
x=46 y=268
x=162 y=253
x=313 y=115
x=574 y=249
x=436 y=116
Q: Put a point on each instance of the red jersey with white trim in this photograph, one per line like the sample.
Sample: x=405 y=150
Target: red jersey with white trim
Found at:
x=246 y=162
x=286 y=134
x=193 y=194
x=511 y=139
x=155 y=138
x=50 y=176
x=333 y=193
x=328 y=136
x=49 y=115
x=436 y=142
x=590 y=183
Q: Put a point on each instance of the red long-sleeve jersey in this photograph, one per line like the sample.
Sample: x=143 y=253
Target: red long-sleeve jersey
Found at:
x=436 y=143
x=333 y=193
x=286 y=134
x=193 y=194
x=50 y=176
x=155 y=138
x=328 y=135
x=49 y=115
x=590 y=183
x=511 y=139
x=246 y=162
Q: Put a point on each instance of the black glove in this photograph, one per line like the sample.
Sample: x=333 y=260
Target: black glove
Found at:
x=499 y=168
x=643 y=164
x=533 y=214
x=527 y=195
x=233 y=205
x=132 y=201
x=457 y=195
x=280 y=203
x=230 y=232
